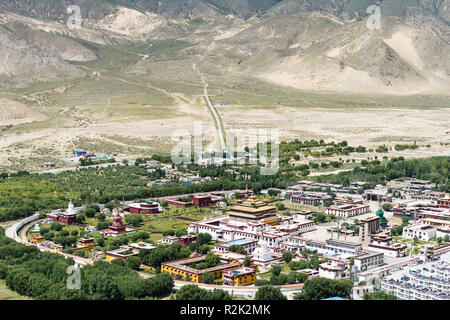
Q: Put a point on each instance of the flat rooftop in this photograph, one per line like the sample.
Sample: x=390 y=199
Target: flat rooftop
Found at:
x=184 y=265
x=237 y=242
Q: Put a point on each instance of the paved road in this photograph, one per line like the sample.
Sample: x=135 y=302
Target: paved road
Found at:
x=59 y=170
x=220 y=130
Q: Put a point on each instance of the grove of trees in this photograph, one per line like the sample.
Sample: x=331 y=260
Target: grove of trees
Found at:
x=43 y=275
x=322 y=288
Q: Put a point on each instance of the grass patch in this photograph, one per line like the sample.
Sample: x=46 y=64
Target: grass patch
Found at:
x=6 y=294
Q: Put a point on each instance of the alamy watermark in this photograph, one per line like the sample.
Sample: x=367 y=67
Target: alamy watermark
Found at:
x=74 y=20
x=259 y=146
x=374 y=20
x=74 y=278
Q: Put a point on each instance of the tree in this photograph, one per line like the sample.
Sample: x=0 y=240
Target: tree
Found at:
x=90 y=212
x=268 y=292
x=181 y=233
x=49 y=236
x=387 y=207
x=446 y=238
x=287 y=256
x=161 y=254
x=322 y=288
x=302 y=277
x=81 y=254
x=134 y=220
x=320 y=218
x=296 y=277
x=133 y=263
x=247 y=262
x=168 y=233
x=257 y=187
x=203 y=249
x=81 y=218
x=96 y=207
x=219 y=294
x=327 y=203
x=3 y=270
x=203 y=238
x=276 y=270
x=56 y=226
x=273 y=192
x=103 y=225
x=104 y=285
x=212 y=260
x=192 y=292
x=207 y=278
x=64 y=233
x=398 y=230
x=379 y=295
x=237 y=248
x=405 y=220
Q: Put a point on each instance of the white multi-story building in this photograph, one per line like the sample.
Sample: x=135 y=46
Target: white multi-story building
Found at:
x=363 y=259
x=248 y=244
x=310 y=198
x=294 y=244
x=344 y=248
x=368 y=260
x=347 y=210
x=429 y=281
x=303 y=215
x=421 y=231
x=384 y=243
x=336 y=270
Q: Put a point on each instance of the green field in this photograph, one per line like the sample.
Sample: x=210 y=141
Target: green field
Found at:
x=173 y=218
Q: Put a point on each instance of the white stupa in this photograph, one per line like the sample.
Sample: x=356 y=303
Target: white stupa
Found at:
x=36 y=228
x=262 y=253
x=71 y=208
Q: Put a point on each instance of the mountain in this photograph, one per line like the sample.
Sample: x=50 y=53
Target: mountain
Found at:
x=321 y=45
x=25 y=62
x=358 y=8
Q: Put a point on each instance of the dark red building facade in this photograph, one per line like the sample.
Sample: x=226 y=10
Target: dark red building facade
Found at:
x=143 y=208
x=187 y=239
x=444 y=203
x=204 y=201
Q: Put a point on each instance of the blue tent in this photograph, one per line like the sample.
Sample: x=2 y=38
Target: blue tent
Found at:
x=334 y=298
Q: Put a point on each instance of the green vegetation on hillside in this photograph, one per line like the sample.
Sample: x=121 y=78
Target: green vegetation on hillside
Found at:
x=42 y=275
x=435 y=169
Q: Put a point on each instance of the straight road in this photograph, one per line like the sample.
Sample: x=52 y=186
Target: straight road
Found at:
x=219 y=126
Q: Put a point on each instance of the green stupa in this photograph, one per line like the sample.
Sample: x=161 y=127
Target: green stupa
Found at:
x=383 y=220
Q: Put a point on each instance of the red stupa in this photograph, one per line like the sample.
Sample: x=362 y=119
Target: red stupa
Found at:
x=117 y=228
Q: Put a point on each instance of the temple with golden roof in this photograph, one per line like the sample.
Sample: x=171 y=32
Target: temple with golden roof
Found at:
x=252 y=209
